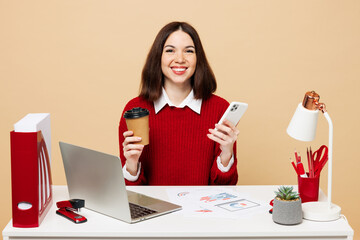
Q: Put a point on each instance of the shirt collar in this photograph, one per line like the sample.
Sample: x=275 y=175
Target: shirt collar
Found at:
x=190 y=101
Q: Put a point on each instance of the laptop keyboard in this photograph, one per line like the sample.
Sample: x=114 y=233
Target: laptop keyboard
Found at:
x=139 y=211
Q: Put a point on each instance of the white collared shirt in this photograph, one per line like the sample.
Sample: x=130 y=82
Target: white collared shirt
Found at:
x=193 y=104
x=189 y=101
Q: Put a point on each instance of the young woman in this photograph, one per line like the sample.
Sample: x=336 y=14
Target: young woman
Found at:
x=186 y=147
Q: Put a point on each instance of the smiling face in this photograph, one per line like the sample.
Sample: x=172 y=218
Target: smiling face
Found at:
x=178 y=60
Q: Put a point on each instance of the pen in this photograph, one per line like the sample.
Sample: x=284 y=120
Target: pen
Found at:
x=299 y=165
x=297 y=157
x=297 y=172
x=301 y=169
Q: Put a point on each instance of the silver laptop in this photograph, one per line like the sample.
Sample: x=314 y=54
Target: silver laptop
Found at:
x=98 y=179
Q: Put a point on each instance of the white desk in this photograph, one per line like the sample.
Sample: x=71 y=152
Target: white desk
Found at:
x=177 y=226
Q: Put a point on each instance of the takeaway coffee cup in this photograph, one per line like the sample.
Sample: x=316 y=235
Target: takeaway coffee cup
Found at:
x=137 y=120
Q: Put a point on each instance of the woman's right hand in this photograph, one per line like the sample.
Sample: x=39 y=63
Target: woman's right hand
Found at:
x=132 y=152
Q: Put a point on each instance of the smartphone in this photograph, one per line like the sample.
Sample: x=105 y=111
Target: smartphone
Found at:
x=234 y=112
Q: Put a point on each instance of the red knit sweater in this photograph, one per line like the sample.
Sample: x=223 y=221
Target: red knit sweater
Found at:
x=179 y=152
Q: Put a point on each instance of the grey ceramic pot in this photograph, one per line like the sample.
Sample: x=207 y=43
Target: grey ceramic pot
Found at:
x=287 y=212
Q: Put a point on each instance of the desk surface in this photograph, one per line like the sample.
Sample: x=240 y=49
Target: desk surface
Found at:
x=176 y=225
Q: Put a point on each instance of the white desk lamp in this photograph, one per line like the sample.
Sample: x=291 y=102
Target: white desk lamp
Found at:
x=303 y=127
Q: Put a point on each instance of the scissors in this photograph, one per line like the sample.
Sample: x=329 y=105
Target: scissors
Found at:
x=320 y=157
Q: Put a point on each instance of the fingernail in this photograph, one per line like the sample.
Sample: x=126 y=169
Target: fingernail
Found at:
x=139 y=138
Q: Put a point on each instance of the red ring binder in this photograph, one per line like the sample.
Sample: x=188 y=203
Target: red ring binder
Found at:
x=31 y=184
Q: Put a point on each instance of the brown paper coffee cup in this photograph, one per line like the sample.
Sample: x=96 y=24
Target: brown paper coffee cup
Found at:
x=137 y=120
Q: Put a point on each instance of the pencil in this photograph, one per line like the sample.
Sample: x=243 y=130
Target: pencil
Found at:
x=308 y=158
x=311 y=170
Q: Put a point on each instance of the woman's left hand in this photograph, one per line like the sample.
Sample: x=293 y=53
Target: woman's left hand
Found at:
x=225 y=134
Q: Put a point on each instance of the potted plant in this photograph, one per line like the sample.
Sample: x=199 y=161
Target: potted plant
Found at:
x=287 y=206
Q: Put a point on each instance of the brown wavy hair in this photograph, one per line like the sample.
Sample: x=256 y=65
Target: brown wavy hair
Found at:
x=203 y=81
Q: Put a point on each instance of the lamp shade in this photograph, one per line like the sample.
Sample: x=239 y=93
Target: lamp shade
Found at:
x=303 y=124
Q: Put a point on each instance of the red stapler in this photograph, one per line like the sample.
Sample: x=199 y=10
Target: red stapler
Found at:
x=67 y=208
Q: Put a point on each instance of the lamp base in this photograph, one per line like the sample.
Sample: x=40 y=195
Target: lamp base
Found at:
x=320 y=211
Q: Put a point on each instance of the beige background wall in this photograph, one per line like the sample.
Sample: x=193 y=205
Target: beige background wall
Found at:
x=81 y=61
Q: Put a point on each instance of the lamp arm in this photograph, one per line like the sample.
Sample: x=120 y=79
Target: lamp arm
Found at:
x=326 y=115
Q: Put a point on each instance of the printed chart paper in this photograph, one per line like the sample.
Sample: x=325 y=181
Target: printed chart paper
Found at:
x=215 y=202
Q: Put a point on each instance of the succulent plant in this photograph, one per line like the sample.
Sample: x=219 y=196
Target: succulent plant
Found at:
x=286 y=193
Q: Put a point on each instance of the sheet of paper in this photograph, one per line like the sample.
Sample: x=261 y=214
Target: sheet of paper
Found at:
x=215 y=202
x=34 y=122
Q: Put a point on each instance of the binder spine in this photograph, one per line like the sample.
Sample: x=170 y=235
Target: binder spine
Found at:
x=30 y=179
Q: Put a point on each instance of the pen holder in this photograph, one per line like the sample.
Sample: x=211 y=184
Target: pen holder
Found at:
x=308 y=188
